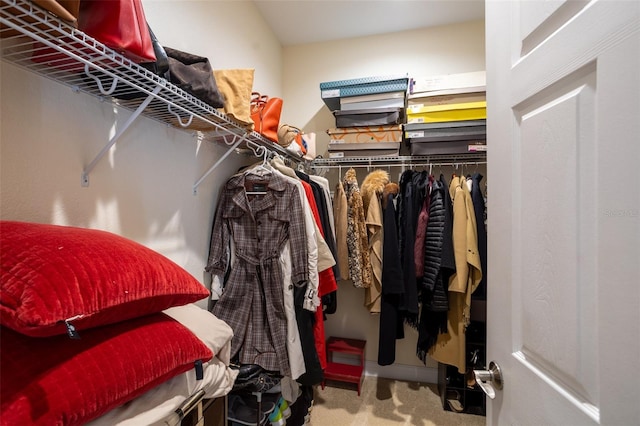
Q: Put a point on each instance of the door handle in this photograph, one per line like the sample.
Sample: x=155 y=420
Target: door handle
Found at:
x=490 y=380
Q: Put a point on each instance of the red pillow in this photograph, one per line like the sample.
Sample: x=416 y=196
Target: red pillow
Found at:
x=50 y=273
x=59 y=381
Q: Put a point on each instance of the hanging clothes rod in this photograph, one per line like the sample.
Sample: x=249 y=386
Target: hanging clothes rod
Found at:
x=405 y=165
x=399 y=161
x=402 y=161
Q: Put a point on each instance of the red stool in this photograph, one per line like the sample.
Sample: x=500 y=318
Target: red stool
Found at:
x=345 y=372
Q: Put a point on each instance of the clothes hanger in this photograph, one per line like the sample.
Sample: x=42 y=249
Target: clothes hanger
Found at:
x=261 y=169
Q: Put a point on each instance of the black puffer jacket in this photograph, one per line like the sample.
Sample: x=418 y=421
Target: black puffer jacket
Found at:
x=433 y=237
x=439 y=264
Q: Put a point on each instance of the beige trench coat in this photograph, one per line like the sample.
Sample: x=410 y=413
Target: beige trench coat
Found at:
x=451 y=347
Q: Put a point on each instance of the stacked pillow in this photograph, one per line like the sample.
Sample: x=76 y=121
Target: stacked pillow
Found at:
x=82 y=328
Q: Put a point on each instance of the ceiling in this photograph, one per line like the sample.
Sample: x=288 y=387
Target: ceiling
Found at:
x=310 y=21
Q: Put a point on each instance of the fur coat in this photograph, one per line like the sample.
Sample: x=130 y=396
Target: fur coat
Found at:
x=372 y=189
x=357 y=242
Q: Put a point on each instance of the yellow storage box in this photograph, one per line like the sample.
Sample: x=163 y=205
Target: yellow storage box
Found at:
x=450 y=112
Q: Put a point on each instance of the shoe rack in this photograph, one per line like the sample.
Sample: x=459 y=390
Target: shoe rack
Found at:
x=459 y=392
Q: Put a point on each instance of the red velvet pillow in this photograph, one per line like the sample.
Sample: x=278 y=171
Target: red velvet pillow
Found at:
x=60 y=381
x=50 y=273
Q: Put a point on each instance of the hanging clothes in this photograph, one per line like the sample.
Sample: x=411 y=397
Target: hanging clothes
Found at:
x=301 y=305
x=325 y=258
x=327 y=282
x=371 y=190
x=391 y=324
x=359 y=264
x=340 y=208
x=310 y=330
x=439 y=265
x=327 y=211
x=421 y=234
x=479 y=208
x=252 y=302
x=451 y=346
x=329 y=299
x=408 y=215
x=324 y=183
x=300 y=361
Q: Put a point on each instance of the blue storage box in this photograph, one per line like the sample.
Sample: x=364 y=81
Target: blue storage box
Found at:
x=332 y=91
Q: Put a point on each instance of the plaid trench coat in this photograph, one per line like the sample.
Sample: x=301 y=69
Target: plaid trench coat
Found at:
x=252 y=302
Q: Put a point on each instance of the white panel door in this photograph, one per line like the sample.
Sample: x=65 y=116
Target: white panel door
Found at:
x=563 y=97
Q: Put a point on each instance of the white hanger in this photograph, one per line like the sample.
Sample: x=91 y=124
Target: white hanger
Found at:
x=263 y=168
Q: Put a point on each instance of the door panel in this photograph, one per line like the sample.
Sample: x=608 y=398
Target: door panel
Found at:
x=540 y=19
x=563 y=83
x=554 y=235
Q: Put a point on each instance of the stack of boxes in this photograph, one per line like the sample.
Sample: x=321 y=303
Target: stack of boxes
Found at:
x=447 y=114
x=369 y=114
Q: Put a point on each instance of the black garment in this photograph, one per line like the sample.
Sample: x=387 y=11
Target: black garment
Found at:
x=434 y=238
x=438 y=260
x=306 y=320
x=300 y=408
x=448 y=262
x=407 y=234
x=479 y=209
x=392 y=288
x=329 y=304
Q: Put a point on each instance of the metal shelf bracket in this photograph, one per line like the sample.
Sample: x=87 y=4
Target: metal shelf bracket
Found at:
x=233 y=144
x=84 y=179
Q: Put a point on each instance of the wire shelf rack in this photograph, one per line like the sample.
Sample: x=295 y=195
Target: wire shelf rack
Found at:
x=33 y=39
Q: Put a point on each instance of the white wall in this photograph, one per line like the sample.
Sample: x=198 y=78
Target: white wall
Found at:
x=430 y=51
x=232 y=34
x=143 y=188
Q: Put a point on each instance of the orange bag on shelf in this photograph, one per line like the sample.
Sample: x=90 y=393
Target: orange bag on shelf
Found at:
x=265 y=113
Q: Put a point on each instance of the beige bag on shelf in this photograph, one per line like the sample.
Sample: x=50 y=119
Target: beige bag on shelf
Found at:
x=236 y=86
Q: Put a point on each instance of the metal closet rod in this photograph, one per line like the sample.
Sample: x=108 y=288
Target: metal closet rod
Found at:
x=347 y=165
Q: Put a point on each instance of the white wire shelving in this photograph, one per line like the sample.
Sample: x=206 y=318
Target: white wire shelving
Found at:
x=33 y=39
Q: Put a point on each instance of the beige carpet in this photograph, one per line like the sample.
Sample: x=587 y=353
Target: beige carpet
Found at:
x=384 y=402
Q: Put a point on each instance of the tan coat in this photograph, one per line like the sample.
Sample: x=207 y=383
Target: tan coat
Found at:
x=340 y=218
x=451 y=346
x=372 y=189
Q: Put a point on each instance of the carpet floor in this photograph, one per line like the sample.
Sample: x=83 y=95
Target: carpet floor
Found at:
x=384 y=402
